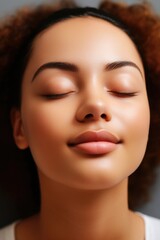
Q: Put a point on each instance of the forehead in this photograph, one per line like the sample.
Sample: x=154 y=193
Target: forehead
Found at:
x=84 y=38
x=85 y=26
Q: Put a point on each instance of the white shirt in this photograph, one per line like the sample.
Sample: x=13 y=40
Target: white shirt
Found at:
x=152 y=229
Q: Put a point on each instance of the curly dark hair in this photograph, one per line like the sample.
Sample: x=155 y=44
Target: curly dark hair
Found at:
x=16 y=37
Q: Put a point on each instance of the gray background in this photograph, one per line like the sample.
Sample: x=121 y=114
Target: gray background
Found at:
x=7 y=6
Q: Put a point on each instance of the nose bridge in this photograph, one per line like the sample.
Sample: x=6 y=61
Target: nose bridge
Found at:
x=93 y=89
x=94 y=98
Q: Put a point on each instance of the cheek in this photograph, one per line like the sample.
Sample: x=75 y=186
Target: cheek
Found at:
x=45 y=124
x=135 y=130
x=138 y=121
x=133 y=118
x=45 y=131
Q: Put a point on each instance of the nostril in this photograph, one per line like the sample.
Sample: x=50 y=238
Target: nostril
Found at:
x=89 y=116
x=103 y=116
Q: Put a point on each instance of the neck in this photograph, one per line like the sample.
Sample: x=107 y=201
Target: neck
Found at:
x=82 y=214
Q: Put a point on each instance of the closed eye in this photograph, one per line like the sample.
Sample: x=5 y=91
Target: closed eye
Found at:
x=55 y=96
x=123 y=94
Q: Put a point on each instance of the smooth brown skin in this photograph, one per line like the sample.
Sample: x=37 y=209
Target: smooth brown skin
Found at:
x=83 y=196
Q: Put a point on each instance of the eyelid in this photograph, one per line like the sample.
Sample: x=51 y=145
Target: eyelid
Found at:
x=56 y=96
x=124 y=94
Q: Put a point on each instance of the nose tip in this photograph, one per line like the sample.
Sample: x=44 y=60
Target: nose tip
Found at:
x=94 y=104
x=93 y=111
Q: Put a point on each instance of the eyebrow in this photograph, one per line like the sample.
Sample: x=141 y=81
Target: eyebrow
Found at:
x=56 y=65
x=65 y=66
x=120 y=64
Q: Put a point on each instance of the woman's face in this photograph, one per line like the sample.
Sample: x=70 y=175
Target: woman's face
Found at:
x=84 y=112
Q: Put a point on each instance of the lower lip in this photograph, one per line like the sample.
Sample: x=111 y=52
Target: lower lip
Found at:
x=95 y=148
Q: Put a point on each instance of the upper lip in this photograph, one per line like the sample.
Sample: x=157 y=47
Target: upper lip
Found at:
x=94 y=136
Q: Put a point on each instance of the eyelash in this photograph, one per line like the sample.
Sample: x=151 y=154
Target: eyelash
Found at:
x=123 y=94
x=55 y=96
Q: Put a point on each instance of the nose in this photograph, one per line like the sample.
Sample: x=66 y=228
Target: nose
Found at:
x=93 y=108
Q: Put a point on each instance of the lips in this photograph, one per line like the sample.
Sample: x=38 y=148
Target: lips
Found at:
x=94 y=142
